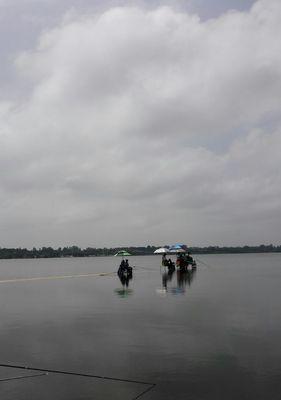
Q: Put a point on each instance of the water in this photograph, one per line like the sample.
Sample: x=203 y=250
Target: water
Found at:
x=211 y=335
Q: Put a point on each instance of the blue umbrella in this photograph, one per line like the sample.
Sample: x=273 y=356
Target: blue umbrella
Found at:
x=177 y=246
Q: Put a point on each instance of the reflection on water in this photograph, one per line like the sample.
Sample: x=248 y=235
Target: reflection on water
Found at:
x=166 y=278
x=123 y=292
x=125 y=279
x=185 y=278
x=175 y=282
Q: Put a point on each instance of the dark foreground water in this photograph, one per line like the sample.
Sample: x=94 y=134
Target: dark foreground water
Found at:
x=214 y=334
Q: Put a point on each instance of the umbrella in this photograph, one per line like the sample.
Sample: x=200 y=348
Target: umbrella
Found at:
x=161 y=250
x=122 y=253
x=178 y=248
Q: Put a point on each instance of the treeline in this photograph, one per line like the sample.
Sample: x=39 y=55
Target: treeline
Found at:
x=75 y=251
x=237 y=249
x=72 y=251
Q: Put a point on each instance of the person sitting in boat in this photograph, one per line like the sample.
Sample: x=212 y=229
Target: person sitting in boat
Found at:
x=170 y=265
x=122 y=267
x=169 y=262
x=181 y=262
x=179 y=259
x=128 y=269
x=189 y=259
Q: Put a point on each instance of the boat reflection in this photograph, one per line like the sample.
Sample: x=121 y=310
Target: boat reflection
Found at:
x=181 y=278
x=185 y=277
x=124 y=279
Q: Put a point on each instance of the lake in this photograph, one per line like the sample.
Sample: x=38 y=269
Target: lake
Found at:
x=69 y=329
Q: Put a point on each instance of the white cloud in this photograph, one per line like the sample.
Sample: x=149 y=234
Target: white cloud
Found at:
x=116 y=142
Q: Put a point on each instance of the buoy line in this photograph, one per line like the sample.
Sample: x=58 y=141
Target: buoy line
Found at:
x=54 y=371
x=53 y=277
x=202 y=262
x=11 y=378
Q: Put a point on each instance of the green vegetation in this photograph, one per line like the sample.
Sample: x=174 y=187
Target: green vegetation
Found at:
x=74 y=251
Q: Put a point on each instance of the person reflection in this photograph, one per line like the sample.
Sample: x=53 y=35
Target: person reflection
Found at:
x=185 y=277
x=125 y=279
x=167 y=277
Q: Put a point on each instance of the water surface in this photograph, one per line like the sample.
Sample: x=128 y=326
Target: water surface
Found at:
x=209 y=335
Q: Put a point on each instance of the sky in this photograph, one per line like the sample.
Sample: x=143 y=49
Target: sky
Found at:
x=135 y=123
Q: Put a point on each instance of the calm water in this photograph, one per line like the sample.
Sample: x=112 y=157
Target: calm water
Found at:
x=211 y=335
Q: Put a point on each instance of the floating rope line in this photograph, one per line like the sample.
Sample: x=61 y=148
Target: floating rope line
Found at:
x=145 y=391
x=54 y=371
x=202 y=262
x=54 y=277
x=22 y=377
x=146 y=269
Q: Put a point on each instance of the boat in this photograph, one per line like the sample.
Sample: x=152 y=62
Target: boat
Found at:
x=127 y=272
x=185 y=262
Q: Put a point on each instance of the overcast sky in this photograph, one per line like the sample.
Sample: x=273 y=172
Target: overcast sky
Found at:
x=133 y=123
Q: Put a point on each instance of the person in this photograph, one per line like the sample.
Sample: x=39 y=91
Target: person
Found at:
x=170 y=265
x=170 y=262
x=164 y=260
x=128 y=269
x=181 y=262
x=189 y=258
x=122 y=267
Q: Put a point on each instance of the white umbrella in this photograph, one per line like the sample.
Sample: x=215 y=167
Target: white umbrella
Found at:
x=162 y=250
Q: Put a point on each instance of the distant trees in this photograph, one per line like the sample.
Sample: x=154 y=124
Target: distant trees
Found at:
x=72 y=251
x=75 y=251
x=237 y=249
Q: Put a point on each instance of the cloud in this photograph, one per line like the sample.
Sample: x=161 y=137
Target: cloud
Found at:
x=146 y=126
